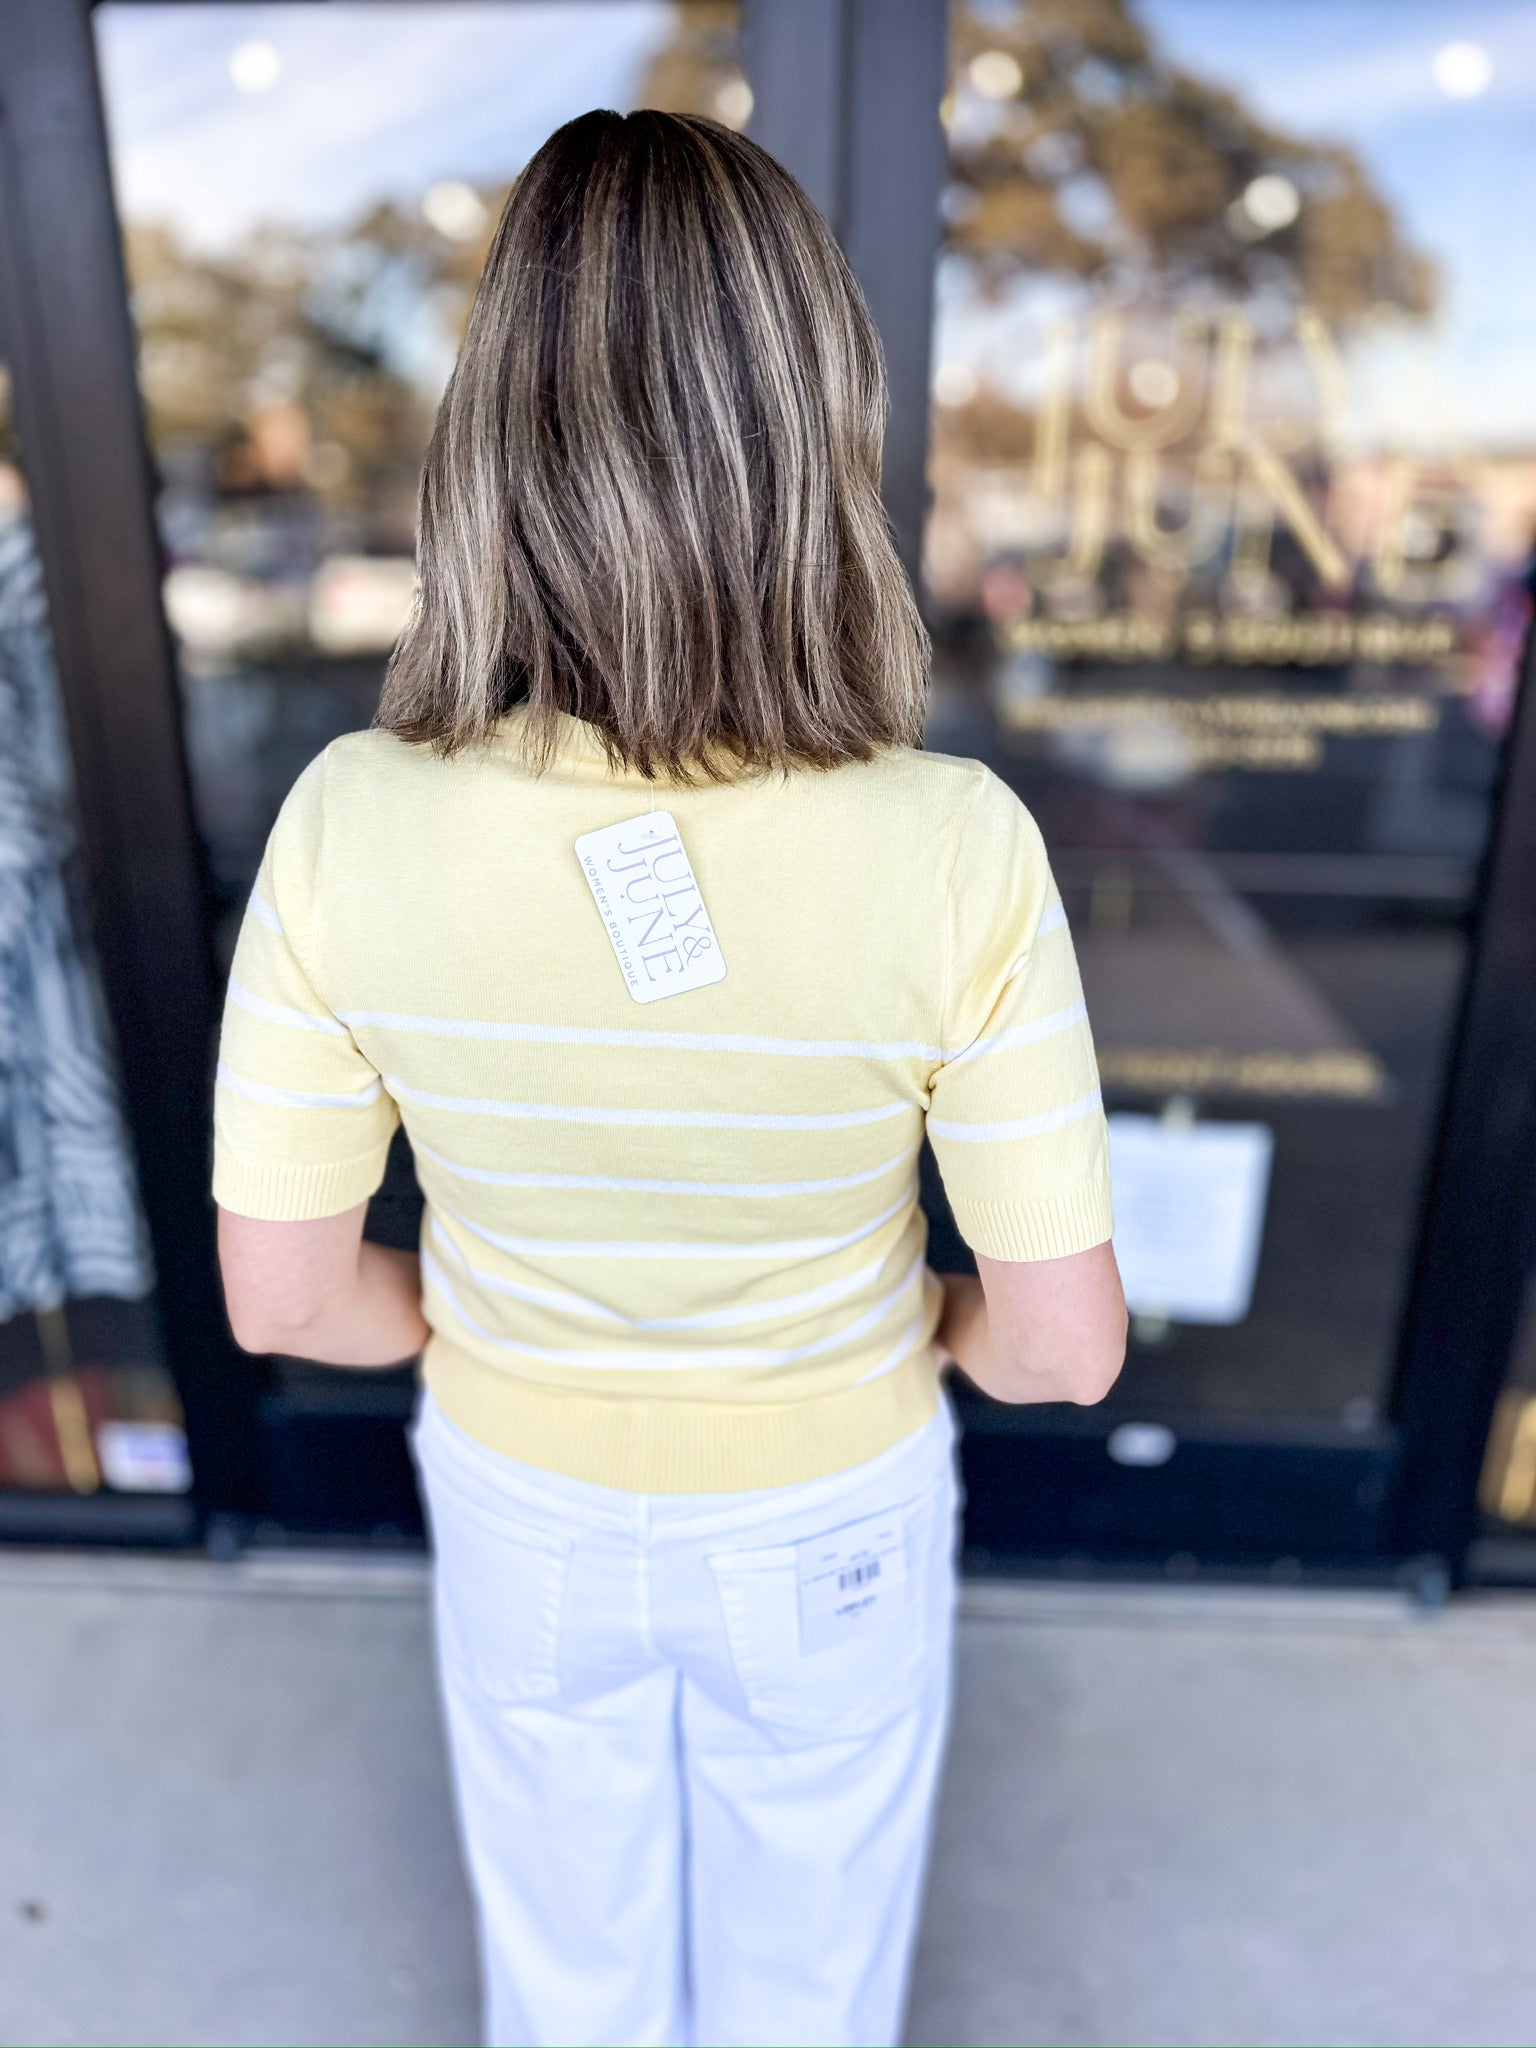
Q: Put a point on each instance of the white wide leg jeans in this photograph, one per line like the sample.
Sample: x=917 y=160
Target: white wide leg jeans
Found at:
x=695 y=1742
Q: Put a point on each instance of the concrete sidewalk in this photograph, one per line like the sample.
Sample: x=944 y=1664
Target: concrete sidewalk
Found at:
x=1172 y=1816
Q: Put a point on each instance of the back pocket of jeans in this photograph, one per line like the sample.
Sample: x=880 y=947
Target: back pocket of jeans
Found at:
x=500 y=1589
x=800 y=1676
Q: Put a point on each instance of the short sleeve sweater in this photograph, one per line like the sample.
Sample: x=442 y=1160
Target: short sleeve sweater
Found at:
x=673 y=1247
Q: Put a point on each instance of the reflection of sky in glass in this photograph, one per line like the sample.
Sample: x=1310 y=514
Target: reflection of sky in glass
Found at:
x=382 y=99
x=1460 y=175
x=373 y=100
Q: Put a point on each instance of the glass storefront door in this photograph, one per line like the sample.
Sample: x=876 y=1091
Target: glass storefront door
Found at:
x=306 y=194
x=1234 y=501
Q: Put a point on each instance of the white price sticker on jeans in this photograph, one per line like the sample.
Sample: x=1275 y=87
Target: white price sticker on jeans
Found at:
x=851 y=1581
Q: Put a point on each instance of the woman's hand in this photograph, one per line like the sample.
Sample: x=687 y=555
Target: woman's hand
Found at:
x=316 y=1290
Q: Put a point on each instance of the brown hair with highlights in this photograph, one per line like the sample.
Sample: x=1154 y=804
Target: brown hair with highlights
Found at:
x=652 y=497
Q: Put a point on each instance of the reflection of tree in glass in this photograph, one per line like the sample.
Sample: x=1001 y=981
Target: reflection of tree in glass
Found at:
x=1077 y=148
x=307 y=363
x=698 y=69
x=1185 y=273
x=272 y=368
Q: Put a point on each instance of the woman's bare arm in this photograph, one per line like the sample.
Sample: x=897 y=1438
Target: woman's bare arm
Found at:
x=316 y=1290
x=1038 y=1330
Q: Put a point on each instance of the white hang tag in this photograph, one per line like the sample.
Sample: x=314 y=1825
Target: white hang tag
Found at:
x=851 y=1581
x=643 y=884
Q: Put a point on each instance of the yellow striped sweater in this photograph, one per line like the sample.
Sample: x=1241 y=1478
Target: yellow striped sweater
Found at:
x=672 y=1246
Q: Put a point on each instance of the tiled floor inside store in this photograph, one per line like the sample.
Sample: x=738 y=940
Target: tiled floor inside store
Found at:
x=1172 y=1815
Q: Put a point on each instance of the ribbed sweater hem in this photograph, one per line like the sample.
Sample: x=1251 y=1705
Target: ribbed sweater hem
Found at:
x=294 y=1193
x=679 y=1446
x=1071 y=1222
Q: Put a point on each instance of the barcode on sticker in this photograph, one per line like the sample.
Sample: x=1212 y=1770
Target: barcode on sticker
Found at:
x=852 y=1580
x=858 y=1575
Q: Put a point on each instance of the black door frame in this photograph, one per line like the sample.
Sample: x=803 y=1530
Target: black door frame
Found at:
x=834 y=80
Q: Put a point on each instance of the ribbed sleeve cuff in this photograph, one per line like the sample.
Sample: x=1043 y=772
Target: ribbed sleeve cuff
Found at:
x=294 y=1194
x=1073 y=1222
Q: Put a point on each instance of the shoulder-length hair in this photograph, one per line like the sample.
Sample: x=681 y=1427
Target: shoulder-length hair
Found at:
x=652 y=497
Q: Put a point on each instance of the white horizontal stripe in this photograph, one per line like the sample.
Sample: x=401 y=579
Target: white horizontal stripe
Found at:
x=637 y=1360
x=901 y=1349
x=1024 y=1034
x=704 y=1319
x=507 y=1031
x=871 y=1319
x=642 y=1360
x=281 y=1013
x=630 y=1184
x=263 y=913
x=540 y=1297
x=294 y=1098
x=684 y=1119
x=1051 y=920
x=607 y=1248
x=1020 y=1127
x=651 y=1041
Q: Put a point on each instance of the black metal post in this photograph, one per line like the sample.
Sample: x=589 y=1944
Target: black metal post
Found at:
x=890 y=222
x=834 y=81
x=795 y=56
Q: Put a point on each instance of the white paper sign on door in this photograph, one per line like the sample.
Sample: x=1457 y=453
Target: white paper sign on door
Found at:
x=1189 y=1215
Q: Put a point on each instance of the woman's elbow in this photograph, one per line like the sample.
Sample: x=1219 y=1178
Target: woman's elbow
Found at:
x=1085 y=1375
x=257 y=1328
x=1095 y=1374
x=1101 y=1355
x=1102 y=1367
x=251 y=1330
